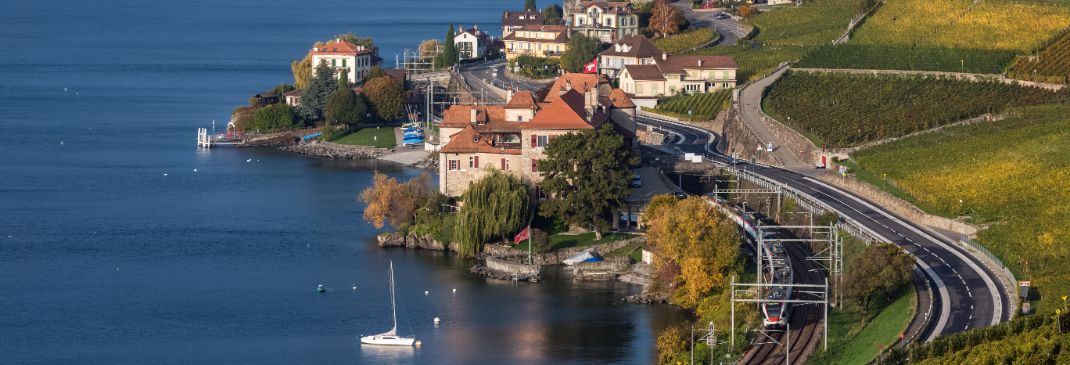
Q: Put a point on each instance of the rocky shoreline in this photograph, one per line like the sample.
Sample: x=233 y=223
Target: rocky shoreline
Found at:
x=334 y=151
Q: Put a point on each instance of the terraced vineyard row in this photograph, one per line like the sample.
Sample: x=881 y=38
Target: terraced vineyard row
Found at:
x=838 y=110
x=898 y=57
x=704 y=106
x=1050 y=65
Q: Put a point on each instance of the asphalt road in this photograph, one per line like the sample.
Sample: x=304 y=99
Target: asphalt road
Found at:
x=729 y=29
x=493 y=71
x=966 y=294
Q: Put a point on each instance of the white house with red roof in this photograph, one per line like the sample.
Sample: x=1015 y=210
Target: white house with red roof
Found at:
x=342 y=54
x=511 y=137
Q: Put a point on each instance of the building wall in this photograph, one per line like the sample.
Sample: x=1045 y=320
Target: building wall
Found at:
x=514 y=49
x=606 y=27
x=522 y=115
x=472 y=42
x=455 y=182
x=358 y=65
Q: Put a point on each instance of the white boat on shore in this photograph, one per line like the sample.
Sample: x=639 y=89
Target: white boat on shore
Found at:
x=390 y=338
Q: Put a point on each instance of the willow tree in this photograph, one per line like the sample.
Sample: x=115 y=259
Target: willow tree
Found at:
x=494 y=207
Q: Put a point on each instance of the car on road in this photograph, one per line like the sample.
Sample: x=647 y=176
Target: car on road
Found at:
x=723 y=16
x=679 y=194
x=637 y=181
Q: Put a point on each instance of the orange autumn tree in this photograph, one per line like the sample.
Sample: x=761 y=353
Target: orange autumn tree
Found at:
x=395 y=203
x=666 y=19
x=695 y=248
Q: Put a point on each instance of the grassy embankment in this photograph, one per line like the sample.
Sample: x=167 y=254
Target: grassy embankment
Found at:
x=840 y=110
x=690 y=39
x=375 y=137
x=787 y=33
x=854 y=338
x=561 y=240
x=957 y=36
x=1011 y=175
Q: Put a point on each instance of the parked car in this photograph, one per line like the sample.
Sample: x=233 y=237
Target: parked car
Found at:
x=637 y=181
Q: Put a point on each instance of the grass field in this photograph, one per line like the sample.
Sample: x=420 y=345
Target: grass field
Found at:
x=786 y=34
x=1013 y=175
x=375 y=137
x=841 y=110
x=1050 y=65
x=692 y=38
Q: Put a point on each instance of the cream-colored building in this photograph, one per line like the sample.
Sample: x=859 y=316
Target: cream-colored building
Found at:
x=674 y=74
x=630 y=50
x=607 y=21
x=341 y=54
x=477 y=139
x=537 y=41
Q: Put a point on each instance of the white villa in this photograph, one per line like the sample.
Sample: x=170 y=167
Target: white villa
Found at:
x=471 y=43
x=342 y=54
x=607 y=21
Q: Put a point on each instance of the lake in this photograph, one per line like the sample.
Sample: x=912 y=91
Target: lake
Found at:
x=121 y=242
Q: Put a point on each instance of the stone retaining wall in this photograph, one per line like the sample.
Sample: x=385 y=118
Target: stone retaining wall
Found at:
x=741 y=142
x=334 y=150
x=897 y=206
x=555 y=258
x=509 y=268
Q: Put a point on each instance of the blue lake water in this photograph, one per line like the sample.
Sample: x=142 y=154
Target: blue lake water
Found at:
x=105 y=259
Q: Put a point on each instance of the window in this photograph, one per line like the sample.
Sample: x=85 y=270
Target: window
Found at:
x=344 y=62
x=333 y=62
x=455 y=165
x=505 y=164
x=534 y=165
x=473 y=162
x=541 y=141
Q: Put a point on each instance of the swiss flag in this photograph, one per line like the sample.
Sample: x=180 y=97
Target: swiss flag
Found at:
x=591 y=67
x=523 y=235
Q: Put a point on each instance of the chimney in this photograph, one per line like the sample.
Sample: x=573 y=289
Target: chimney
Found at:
x=664 y=56
x=700 y=62
x=568 y=85
x=509 y=95
x=590 y=99
x=473 y=114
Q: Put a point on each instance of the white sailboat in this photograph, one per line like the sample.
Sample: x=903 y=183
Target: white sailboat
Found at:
x=390 y=338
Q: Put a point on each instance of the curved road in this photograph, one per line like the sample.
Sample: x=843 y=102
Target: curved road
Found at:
x=966 y=294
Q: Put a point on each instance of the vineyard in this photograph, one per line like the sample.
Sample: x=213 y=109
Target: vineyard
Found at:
x=1012 y=175
x=703 y=106
x=755 y=63
x=1035 y=339
x=898 y=57
x=839 y=110
x=685 y=41
x=1050 y=65
x=992 y=25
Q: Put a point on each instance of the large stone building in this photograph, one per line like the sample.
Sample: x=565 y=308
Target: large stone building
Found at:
x=477 y=139
x=342 y=54
x=537 y=41
x=607 y=21
x=674 y=74
x=630 y=50
x=513 y=20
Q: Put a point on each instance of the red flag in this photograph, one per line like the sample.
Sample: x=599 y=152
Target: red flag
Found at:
x=523 y=235
x=591 y=67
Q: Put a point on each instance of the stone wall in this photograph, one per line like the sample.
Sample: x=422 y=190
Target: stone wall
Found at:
x=555 y=258
x=897 y=206
x=334 y=150
x=510 y=268
x=607 y=269
x=741 y=142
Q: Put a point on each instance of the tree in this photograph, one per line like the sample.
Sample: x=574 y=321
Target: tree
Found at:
x=551 y=15
x=529 y=5
x=302 y=70
x=346 y=107
x=695 y=237
x=666 y=19
x=282 y=89
x=586 y=175
x=272 y=118
x=449 y=51
x=581 y=50
x=394 y=203
x=367 y=42
x=343 y=79
x=314 y=98
x=373 y=72
x=386 y=96
x=496 y=206
x=745 y=11
x=430 y=48
x=881 y=269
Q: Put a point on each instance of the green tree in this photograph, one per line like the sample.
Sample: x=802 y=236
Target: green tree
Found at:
x=881 y=269
x=343 y=79
x=314 y=98
x=586 y=175
x=529 y=5
x=386 y=96
x=551 y=15
x=350 y=37
x=449 y=51
x=302 y=70
x=273 y=117
x=496 y=206
x=373 y=72
x=581 y=50
x=346 y=107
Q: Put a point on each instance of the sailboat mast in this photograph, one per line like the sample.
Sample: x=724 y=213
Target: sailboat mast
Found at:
x=393 y=306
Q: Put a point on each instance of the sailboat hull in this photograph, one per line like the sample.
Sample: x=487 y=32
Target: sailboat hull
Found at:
x=387 y=340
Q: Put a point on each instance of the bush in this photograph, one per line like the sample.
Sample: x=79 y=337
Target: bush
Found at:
x=273 y=117
x=386 y=96
x=536 y=67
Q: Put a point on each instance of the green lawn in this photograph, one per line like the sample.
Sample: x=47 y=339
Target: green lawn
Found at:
x=631 y=250
x=685 y=41
x=854 y=342
x=371 y=136
x=559 y=241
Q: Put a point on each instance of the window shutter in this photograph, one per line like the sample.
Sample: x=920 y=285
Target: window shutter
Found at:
x=503 y=165
x=534 y=141
x=477 y=162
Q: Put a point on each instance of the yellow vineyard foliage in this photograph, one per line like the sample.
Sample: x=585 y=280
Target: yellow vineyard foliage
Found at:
x=992 y=25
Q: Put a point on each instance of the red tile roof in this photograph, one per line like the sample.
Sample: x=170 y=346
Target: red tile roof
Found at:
x=619 y=99
x=468 y=140
x=574 y=81
x=677 y=63
x=340 y=47
x=459 y=116
x=565 y=112
x=522 y=100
